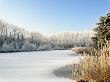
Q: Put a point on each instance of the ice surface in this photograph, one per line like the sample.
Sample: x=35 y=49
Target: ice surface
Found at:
x=34 y=66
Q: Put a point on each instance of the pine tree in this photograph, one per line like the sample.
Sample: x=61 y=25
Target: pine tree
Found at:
x=102 y=31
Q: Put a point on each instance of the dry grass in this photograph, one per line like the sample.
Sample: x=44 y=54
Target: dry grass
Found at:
x=94 y=68
x=81 y=50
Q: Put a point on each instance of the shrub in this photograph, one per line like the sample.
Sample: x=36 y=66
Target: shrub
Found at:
x=81 y=50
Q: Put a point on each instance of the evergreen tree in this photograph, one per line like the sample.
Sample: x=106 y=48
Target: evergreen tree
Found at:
x=102 y=31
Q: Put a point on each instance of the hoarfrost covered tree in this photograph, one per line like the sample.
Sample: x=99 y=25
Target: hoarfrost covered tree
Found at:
x=66 y=40
x=13 y=38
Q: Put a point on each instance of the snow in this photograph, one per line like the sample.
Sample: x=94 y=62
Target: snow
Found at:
x=34 y=66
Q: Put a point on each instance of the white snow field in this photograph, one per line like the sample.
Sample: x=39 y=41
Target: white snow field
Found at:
x=34 y=66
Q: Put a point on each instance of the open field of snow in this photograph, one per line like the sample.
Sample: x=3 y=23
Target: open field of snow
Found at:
x=34 y=66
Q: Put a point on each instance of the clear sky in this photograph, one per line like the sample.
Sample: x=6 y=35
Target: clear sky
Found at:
x=50 y=16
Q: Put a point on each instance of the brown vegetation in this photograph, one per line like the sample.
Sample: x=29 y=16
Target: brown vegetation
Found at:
x=81 y=50
x=94 y=68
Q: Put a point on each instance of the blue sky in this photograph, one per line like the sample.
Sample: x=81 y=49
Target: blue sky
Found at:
x=50 y=16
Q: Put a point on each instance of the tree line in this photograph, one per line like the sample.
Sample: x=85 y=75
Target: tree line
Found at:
x=13 y=38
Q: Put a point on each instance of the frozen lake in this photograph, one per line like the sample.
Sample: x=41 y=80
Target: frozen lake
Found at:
x=34 y=66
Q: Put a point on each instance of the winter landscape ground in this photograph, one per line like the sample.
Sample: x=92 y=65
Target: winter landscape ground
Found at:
x=37 y=66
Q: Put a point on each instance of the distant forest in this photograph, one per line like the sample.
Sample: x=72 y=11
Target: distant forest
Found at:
x=13 y=39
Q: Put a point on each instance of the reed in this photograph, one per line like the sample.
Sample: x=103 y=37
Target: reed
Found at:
x=94 y=67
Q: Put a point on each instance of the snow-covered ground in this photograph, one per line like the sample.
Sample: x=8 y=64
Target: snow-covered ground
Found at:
x=34 y=66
